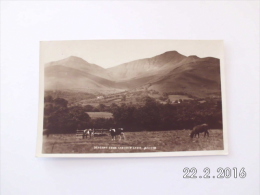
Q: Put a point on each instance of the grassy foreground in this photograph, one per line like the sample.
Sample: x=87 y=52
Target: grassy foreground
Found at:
x=146 y=141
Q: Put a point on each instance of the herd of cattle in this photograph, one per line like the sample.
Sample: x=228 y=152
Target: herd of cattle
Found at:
x=118 y=132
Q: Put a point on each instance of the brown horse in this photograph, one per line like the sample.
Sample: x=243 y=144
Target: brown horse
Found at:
x=200 y=129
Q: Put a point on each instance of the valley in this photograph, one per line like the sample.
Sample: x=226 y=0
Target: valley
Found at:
x=168 y=73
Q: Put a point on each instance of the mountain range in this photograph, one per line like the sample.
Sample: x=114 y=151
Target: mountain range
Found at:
x=167 y=72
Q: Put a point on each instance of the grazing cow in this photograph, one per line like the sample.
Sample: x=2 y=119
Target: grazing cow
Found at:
x=87 y=132
x=200 y=129
x=117 y=132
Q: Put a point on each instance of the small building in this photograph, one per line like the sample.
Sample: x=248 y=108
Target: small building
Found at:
x=100 y=97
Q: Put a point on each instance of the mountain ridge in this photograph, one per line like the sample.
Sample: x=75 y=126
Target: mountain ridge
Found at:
x=169 y=71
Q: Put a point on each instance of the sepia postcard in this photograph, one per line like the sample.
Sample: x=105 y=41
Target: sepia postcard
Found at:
x=132 y=98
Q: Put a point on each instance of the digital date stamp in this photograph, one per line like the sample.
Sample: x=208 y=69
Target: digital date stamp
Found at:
x=221 y=173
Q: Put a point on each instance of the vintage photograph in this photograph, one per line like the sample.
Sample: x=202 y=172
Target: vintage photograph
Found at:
x=131 y=98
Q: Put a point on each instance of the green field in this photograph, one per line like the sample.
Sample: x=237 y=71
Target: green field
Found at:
x=146 y=141
x=95 y=115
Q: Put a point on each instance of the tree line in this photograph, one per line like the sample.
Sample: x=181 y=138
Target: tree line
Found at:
x=151 y=115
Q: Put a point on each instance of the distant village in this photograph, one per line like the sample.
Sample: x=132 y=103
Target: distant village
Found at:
x=135 y=97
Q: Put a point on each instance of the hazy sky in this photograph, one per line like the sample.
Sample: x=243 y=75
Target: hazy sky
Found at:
x=108 y=53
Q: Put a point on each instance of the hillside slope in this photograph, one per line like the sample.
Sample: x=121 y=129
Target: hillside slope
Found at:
x=145 y=67
x=59 y=77
x=200 y=78
x=81 y=65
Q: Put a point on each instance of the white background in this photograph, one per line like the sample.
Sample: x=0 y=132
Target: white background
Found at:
x=24 y=24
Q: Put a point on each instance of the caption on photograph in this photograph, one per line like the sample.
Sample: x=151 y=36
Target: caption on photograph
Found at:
x=123 y=148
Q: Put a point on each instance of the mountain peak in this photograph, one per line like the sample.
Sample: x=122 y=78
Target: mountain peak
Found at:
x=74 y=58
x=174 y=52
x=71 y=59
x=193 y=57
